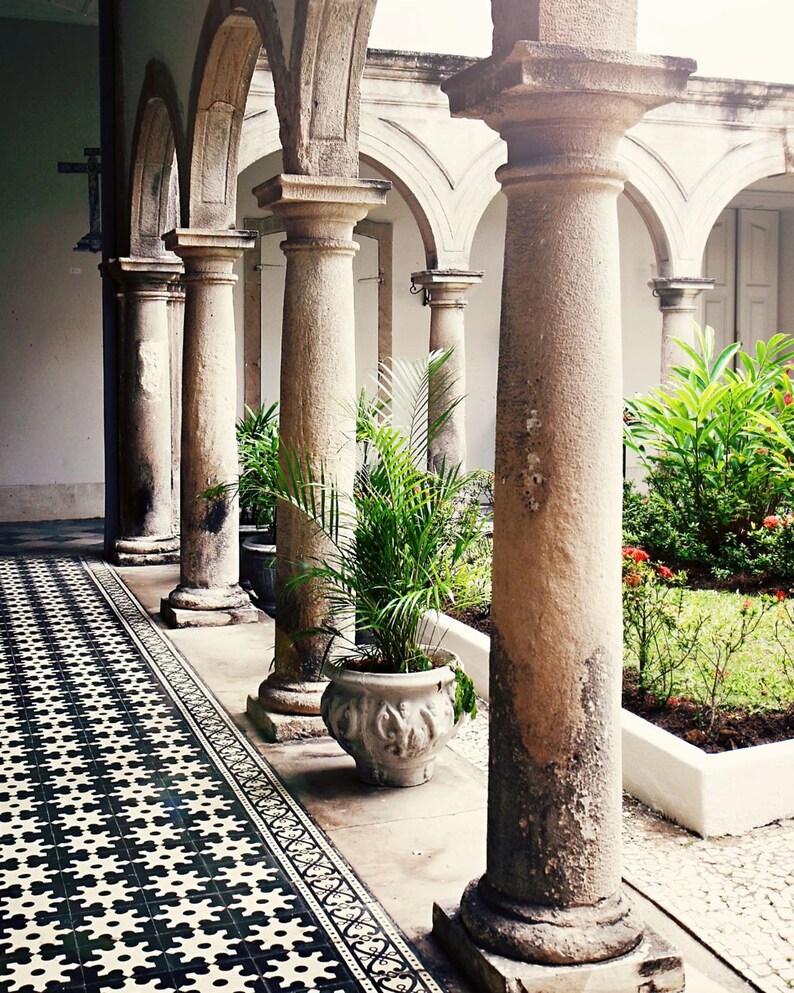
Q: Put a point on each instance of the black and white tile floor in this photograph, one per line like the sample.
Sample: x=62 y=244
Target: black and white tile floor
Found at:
x=82 y=537
x=144 y=844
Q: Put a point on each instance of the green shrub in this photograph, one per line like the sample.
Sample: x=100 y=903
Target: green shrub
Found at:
x=257 y=449
x=716 y=445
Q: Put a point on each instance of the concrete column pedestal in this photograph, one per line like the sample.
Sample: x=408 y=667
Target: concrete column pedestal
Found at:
x=677 y=302
x=208 y=593
x=551 y=895
x=146 y=527
x=446 y=291
x=316 y=421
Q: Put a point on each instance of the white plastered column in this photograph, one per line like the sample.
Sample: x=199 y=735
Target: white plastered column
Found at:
x=446 y=296
x=678 y=303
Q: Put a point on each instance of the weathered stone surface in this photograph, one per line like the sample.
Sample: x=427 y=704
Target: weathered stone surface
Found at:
x=652 y=967
x=181 y=617
x=446 y=291
x=284 y=727
x=317 y=390
x=146 y=531
x=610 y=24
x=551 y=894
x=210 y=560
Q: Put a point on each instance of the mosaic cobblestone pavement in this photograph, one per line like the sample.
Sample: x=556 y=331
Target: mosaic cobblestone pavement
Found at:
x=144 y=844
x=735 y=894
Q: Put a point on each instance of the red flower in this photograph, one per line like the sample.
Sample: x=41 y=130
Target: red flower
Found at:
x=780 y=595
x=633 y=579
x=665 y=573
x=773 y=521
x=638 y=554
x=787 y=399
x=747 y=604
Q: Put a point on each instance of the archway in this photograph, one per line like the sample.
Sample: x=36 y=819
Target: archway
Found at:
x=389 y=317
x=749 y=252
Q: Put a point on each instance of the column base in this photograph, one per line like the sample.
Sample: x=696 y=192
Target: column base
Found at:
x=242 y=612
x=277 y=728
x=652 y=965
x=146 y=551
x=282 y=695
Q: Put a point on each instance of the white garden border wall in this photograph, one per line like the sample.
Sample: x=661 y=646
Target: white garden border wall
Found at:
x=727 y=793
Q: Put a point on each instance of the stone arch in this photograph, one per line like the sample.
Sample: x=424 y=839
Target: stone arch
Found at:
x=475 y=194
x=231 y=40
x=742 y=166
x=260 y=138
x=227 y=56
x=446 y=208
x=157 y=156
x=659 y=198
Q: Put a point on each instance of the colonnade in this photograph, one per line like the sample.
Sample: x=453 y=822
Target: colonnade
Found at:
x=562 y=87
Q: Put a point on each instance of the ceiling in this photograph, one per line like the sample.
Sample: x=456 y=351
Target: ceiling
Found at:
x=65 y=11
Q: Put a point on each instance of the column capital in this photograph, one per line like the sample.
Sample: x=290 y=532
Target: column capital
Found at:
x=562 y=109
x=674 y=292
x=321 y=197
x=133 y=271
x=459 y=280
x=197 y=243
x=446 y=287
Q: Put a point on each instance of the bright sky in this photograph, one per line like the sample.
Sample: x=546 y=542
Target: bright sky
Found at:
x=745 y=39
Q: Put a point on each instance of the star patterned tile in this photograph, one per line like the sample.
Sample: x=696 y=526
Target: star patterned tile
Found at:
x=144 y=844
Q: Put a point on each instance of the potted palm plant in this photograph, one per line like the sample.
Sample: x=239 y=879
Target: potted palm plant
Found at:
x=401 y=544
x=257 y=449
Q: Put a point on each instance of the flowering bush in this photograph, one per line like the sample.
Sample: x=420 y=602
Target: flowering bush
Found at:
x=766 y=551
x=653 y=636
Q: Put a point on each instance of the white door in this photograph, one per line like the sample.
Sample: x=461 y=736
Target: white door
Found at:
x=719 y=262
x=756 y=303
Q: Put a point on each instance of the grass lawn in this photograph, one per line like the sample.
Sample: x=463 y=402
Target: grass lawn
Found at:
x=753 y=672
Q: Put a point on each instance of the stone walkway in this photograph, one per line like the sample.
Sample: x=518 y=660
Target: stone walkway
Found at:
x=735 y=894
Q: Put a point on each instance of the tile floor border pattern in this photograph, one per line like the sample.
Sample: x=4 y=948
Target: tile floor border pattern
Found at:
x=349 y=910
x=733 y=894
x=69 y=619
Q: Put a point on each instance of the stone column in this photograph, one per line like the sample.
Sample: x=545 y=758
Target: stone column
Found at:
x=677 y=302
x=318 y=388
x=146 y=527
x=551 y=897
x=176 y=325
x=446 y=291
x=208 y=592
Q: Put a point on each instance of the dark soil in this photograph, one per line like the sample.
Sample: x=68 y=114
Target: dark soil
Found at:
x=730 y=729
x=740 y=582
x=478 y=619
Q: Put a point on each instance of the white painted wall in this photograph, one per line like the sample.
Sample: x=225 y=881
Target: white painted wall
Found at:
x=641 y=317
x=51 y=452
x=786 y=283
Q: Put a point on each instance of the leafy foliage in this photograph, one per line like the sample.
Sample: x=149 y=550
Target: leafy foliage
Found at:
x=257 y=448
x=716 y=445
x=400 y=540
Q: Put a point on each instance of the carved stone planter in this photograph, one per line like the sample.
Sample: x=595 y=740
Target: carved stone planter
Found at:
x=258 y=568
x=393 y=724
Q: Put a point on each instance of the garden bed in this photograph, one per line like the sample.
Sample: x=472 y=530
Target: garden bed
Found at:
x=711 y=794
x=732 y=727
